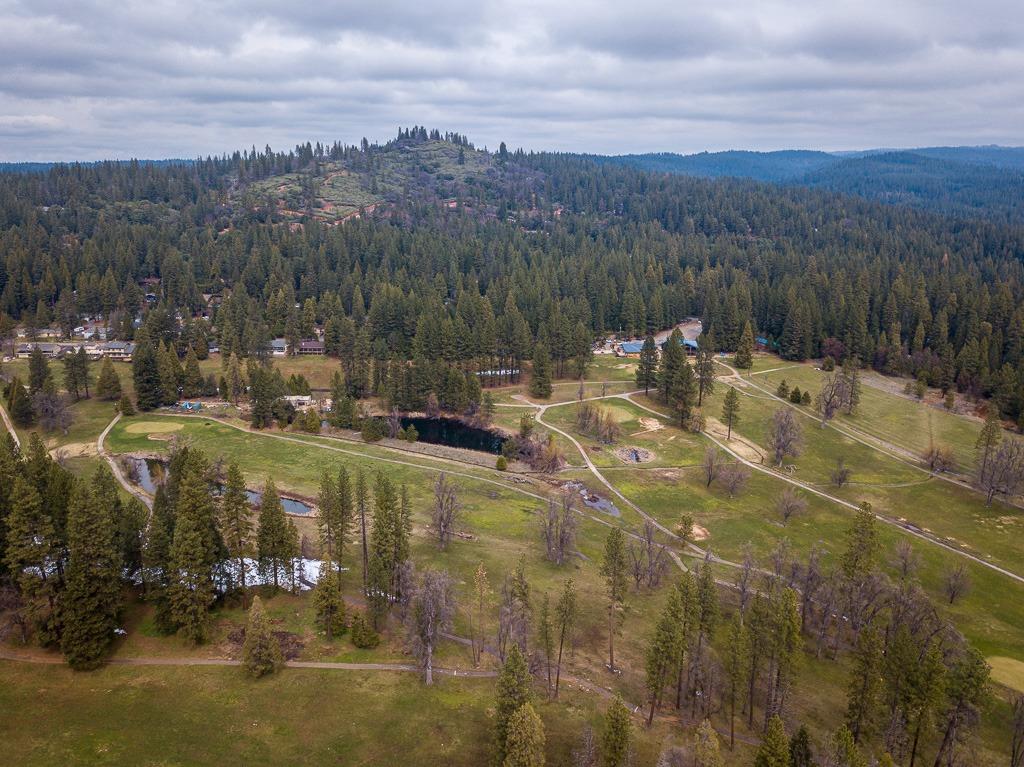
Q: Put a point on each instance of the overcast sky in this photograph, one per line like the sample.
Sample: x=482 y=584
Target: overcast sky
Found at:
x=90 y=80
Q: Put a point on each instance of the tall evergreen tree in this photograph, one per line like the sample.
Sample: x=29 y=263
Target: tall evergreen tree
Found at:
x=865 y=683
x=91 y=601
x=261 y=652
x=617 y=737
x=683 y=393
x=236 y=521
x=191 y=590
x=513 y=691
x=277 y=541
x=524 y=743
x=774 y=749
x=38 y=371
x=146 y=377
x=613 y=570
x=647 y=365
x=744 y=359
x=540 y=381
x=108 y=385
x=731 y=410
x=704 y=368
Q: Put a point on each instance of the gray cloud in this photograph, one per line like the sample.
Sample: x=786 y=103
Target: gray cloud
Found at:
x=156 y=79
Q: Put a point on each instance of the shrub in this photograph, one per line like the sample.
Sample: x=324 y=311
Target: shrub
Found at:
x=783 y=390
x=373 y=429
x=805 y=398
x=795 y=395
x=411 y=435
x=125 y=406
x=828 y=364
x=501 y=464
x=363 y=635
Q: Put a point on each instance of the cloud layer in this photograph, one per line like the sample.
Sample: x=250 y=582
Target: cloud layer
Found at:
x=90 y=80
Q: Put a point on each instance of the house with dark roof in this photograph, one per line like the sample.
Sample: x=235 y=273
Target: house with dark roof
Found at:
x=311 y=346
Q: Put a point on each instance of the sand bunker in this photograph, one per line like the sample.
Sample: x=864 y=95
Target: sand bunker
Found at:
x=153 y=427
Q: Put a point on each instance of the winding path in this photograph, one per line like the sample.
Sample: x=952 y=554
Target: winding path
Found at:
x=842 y=502
x=9 y=426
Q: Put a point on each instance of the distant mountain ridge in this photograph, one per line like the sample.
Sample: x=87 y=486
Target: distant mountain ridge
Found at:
x=976 y=182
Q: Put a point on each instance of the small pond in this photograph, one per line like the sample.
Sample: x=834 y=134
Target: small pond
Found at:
x=455 y=433
x=147 y=473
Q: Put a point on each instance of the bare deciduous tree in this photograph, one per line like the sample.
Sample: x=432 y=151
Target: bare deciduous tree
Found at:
x=712 y=464
x=831 y=397
x=559 y=525
x=957 y=582
x=940 y=459
x=648 y=559
x=734 y=478
x=785 y=436
x=430 y=612
x=1003 y=472
x=445 y=511
x=905 y=560
x=789 y=504
x=841 y=473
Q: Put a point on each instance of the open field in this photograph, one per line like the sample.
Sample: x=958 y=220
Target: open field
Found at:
x=120 y=715
x=501 y=529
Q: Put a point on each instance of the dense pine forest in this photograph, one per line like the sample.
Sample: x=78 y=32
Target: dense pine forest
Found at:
x=474 y=258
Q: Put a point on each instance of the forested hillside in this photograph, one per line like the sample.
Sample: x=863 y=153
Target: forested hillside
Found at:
x=432 y=249
x=968 y=182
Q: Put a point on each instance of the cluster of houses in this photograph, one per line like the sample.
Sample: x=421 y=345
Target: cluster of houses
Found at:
x=118 y=351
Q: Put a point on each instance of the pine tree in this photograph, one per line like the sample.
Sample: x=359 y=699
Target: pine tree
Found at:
x=191 y=589
x=672 y=358
x=613 y=569
x=38 y=371
x=683 y=392
x=524 y=742
x=706 y=751
x=800 y=749
x=566 y=614
x=774 y=749
x=866 y=683
x=704 y=368
x=277 y=541
x=647 y=366
x=82 y=368
x=989 y=438
x=171 y=375
x=146 y=377
x=513 y=691
x=91 y=600
x=156 y=554
x=744 y=359
x=236 y=520
x=193 y=382
x=731 y=410
x=665 y=649
x=328 y=601
x=843 y=750
x=617 y=736
x=736 y=663
x=546 y=635
x=363 y=634
x=540 y=382
x=261 y=652
x=32 y=545
x=19 y=404
x=108 y=385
